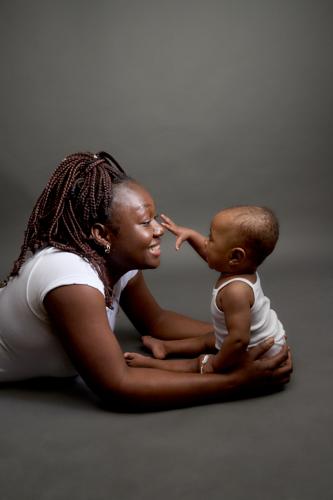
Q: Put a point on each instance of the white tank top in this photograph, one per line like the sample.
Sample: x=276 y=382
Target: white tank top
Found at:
x=264 y=320
x=28 y=345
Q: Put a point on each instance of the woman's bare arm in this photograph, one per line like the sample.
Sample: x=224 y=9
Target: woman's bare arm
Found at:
x=78 y=314
x=150 y=319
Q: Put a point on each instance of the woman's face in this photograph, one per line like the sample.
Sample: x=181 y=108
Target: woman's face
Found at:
x=134 y=233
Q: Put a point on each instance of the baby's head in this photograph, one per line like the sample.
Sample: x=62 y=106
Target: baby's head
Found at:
x=241 y=238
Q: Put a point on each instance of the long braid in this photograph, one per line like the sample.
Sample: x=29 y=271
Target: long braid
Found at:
x=78 y=194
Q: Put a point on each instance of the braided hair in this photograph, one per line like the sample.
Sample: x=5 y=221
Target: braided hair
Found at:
x=78 y=194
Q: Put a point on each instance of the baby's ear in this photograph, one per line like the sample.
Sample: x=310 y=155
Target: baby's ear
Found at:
x=237 y=255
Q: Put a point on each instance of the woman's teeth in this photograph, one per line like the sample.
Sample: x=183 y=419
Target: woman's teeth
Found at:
x=155 y=249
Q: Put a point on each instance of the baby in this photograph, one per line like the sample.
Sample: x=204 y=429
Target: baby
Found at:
x=240 y=239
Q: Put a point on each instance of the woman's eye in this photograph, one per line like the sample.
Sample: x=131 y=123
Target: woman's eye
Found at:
x=149 y=221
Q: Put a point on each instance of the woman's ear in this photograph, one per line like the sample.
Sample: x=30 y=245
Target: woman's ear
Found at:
x=237 y=255
x=99 y=234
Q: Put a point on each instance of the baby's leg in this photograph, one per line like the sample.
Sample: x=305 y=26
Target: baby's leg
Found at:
x=192 y=346
x=175 y=365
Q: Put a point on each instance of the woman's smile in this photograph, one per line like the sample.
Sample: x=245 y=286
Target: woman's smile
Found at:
x=155 y=249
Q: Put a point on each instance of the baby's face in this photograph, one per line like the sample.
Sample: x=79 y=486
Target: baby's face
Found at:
x=223 y=237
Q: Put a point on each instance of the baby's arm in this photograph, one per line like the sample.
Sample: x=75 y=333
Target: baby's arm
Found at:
x=195 y=239
x=235 y=300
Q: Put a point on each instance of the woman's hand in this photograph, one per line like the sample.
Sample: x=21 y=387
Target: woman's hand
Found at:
x=255 y=369
x=260 y=371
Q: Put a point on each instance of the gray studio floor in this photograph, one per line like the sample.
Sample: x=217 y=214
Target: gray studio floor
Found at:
x=57 y=443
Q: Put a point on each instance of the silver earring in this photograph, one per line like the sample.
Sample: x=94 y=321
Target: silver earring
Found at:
x=107 y=248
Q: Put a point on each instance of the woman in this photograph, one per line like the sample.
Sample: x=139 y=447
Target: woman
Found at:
x=89 y=233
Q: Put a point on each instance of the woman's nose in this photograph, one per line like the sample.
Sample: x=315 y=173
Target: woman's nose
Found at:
x=158 y=229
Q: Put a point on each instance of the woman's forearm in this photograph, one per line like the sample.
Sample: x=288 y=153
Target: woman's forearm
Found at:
x=169 y=325
x=142 y=389
x=151 y=389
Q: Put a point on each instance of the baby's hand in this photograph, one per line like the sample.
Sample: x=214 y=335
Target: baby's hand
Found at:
x=182 y=233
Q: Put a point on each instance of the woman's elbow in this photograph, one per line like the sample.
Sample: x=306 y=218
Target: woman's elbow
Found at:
x=120 y=394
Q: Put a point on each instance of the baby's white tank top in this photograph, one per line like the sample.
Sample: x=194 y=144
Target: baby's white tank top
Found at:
x=264 y=320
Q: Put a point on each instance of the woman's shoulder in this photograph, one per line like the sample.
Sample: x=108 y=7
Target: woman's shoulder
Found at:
x=51 y=267
x=52 y=253
x=51 y=256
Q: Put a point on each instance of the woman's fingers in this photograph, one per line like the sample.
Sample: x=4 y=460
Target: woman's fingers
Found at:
x=259 y=350
x=284 y=371
x=278 y=359
x=277 y=368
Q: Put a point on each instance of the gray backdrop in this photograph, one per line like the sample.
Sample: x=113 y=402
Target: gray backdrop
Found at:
x=208 y=104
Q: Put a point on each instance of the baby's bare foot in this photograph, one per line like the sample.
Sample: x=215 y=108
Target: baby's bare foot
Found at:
x=156 y=346
x=138 y=360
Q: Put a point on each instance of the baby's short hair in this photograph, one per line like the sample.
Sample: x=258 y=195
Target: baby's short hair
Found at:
x=259 y=230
